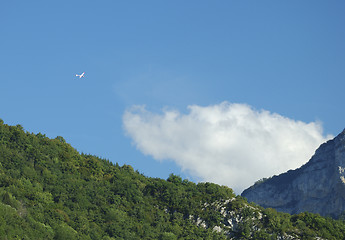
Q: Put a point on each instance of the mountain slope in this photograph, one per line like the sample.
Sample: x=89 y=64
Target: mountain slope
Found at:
x=318 y=186
x=50 y=191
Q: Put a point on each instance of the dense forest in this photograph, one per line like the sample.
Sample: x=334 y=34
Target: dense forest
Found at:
x=48 y=190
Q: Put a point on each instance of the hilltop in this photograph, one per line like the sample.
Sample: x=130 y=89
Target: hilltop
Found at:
x=48 y=190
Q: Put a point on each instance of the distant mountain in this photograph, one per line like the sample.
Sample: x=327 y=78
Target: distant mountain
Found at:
x=48 y=190
x=317 y=187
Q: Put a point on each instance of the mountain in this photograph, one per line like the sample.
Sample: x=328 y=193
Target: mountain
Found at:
x=48 y=190
x=317 y=187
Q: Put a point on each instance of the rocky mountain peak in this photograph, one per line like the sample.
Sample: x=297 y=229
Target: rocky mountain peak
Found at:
x=317 y=187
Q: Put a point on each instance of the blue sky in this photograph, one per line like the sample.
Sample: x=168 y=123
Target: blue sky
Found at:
x=285 y=57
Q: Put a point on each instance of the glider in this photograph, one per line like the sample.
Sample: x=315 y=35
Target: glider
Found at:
x=81 y=75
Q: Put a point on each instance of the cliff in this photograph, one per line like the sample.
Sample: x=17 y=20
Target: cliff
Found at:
x=317 y=187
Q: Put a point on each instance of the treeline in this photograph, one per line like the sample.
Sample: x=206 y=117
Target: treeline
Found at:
x=48 y=190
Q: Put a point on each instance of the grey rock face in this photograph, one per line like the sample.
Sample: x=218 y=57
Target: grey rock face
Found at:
x=317 y=187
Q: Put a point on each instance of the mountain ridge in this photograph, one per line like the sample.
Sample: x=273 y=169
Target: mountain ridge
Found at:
x=48 y=190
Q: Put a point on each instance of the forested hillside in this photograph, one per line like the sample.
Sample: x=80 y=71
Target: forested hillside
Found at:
x=48 y=190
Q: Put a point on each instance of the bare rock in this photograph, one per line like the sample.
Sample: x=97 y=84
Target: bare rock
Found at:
x=317 y=187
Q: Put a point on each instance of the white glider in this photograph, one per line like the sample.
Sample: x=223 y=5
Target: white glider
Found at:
x=81 y=75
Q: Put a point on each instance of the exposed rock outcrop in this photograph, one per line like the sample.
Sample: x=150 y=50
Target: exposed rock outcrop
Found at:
x=317 y=187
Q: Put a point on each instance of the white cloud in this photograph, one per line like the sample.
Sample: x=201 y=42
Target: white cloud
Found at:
x=229 y=144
